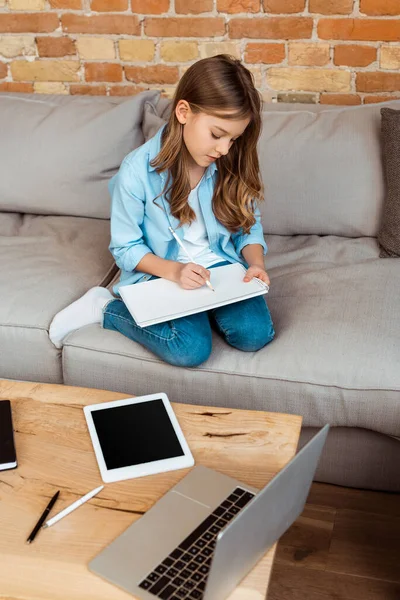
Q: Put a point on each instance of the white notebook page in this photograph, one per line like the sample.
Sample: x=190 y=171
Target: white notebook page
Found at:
x=160 y=300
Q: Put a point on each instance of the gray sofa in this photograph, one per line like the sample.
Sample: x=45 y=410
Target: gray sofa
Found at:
x=334 y=301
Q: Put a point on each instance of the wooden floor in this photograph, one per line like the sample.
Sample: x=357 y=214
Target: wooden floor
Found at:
x=345 y=546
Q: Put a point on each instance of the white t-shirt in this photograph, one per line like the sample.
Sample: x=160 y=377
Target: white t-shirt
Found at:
x=195 y=237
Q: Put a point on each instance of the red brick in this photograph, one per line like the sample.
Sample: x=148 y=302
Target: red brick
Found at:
x=331 y=7
x=125 y=90
x=153 y=74
x=117 y=24
x=184 y=27
x=55 y=46
x=103 y=72
x=377 y=82
x=3 y=70
x=345 y=99
x=284 y=6
x=373 y=99
x=265 y=53
x=354 y=56
x=277 y=28
x=372 y=30
x=67 y=4
x=109 y=5
x=192 y=6
x=87 y=90
x=11 y=86
x=150 y=7
x=380 y=7
x=238 y=6
x=28 y=23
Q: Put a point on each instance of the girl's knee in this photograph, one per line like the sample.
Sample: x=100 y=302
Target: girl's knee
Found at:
x=191 y=352
x=264 y=337
x=252 y=341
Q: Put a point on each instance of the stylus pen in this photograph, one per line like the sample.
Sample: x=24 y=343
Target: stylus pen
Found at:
x=208 y=282
x=72 y=507
x=42 y=518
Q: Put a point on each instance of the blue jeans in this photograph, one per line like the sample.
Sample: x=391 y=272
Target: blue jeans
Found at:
x=186 y=342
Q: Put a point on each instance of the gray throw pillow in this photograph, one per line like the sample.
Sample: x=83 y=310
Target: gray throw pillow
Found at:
x=57 y=153
x=155 y=116
x=389 y=232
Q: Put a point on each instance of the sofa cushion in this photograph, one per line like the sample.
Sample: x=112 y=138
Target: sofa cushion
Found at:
x=155 y=114
x=45 y=264
x=58 y=152
x=389 y=232
x=335 y=357
x=322 y=171
x=321 y=167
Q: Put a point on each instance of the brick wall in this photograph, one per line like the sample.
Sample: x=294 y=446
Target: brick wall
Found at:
x=328 y=51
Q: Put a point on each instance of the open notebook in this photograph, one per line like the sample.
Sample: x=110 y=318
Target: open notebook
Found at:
x=160 y=300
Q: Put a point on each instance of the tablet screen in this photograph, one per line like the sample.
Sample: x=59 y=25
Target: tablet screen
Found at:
x=135 y=434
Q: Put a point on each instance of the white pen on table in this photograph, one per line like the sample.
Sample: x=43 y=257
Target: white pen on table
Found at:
x=72 y=507
x=208 y=282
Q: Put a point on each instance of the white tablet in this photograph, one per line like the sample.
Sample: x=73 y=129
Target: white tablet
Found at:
x=136 y=437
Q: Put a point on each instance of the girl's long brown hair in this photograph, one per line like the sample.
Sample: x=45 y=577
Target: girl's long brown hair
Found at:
x=213 y=85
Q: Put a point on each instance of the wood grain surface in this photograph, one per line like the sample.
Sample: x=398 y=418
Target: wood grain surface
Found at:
x=344 y=546
x=54 y=452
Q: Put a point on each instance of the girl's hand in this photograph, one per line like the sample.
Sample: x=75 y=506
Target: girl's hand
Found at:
x=257 y=271
x=191 y=276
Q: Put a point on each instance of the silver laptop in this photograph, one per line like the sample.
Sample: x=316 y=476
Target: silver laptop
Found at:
x=207 y=532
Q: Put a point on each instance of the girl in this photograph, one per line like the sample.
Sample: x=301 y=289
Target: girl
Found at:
x=199 y=175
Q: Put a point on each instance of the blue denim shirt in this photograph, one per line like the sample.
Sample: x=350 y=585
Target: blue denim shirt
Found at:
x=140 y=226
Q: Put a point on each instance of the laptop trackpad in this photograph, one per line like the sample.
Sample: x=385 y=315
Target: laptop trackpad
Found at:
x=149 y=540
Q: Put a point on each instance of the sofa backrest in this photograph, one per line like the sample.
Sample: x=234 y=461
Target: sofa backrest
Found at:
x=58 y=152
x=321 y=167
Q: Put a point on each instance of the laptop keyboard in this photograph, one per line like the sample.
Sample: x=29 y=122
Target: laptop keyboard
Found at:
x=184 y=572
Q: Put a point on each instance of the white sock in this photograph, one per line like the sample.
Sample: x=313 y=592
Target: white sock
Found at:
x=85 y=311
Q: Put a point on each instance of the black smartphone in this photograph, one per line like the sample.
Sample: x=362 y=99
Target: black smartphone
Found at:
x=8 y=457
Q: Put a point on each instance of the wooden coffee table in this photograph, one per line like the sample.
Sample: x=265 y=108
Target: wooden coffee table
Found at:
x=54 y=452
